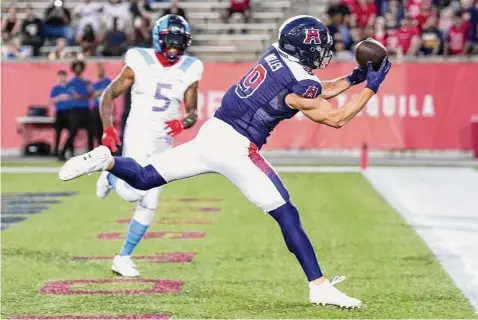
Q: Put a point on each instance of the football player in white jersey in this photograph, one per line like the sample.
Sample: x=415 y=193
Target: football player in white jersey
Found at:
x=161 y=77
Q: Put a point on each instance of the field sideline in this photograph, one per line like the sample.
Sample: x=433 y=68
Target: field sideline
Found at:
x=229 y=260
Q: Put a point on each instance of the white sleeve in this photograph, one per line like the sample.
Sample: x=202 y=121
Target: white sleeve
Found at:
x=133 y=59
x=194 y=72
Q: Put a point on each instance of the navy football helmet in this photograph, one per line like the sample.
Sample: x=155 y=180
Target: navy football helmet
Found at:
x=171 y=36
x=307 y=40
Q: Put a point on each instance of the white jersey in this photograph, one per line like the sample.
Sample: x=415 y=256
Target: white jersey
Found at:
x=158 y=91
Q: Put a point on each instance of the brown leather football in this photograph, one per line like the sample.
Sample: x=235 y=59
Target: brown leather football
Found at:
x=370 y=50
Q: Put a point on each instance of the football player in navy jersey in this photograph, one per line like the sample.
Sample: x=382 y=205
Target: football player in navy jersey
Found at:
x=277 y=87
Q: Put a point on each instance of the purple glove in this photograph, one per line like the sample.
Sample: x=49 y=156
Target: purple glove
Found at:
x=357 y=76
x=375 y=78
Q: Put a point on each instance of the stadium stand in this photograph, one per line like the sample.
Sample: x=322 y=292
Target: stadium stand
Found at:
x=212 y=39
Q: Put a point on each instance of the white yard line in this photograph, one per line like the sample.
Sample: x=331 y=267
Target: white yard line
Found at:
x=29 y=170
x=442 y=205
x=289 y=169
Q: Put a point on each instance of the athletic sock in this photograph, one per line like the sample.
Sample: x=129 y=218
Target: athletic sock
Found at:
x=136 y=232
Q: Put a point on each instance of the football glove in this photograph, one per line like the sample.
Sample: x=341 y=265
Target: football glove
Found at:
x=111 y=139
x=375 y=78
x=174 y=127
x=357 y=76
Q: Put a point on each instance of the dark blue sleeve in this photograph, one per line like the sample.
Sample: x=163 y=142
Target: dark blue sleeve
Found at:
x=55 y=91
x=307 y=88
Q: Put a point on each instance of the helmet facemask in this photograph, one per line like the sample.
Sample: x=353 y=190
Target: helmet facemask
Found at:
x=322 y=54
x=174 y=44
x=323 y=57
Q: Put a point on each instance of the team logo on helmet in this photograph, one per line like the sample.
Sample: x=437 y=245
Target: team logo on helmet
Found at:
x=312 y=35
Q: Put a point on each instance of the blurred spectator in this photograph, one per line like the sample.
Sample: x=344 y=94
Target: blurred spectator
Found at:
x=142 y=33
x=60 y=52
x=140 y=9
x=11 y=25
x=471 y=16
x=380 y=31
x=393 y=12
x=413 y=7
x=57 y=22
x=458 y=33
x=407 y=39
x=115 y=9
x=98 y=88
x=88 y=14
x=364 y=13
x=79 y=117
x=13 y=50
x=88 y=41
x=431 y=38
x=32 y=31
x=238 y=6
x=338 y=23
x=340 y=51
x=446 y=16
x=60 y=97
x=426 y=11
x=356 y=34
x=369 y=32
x=338 y=12
x=175 y=9
x=116 y=41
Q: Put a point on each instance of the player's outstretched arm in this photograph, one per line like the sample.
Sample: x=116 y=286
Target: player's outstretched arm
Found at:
x=321 y=111
x=332 y=88
x=117 y=87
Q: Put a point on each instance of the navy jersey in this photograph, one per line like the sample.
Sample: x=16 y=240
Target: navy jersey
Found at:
x=255 y=105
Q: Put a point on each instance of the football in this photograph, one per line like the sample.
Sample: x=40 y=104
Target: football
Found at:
x=370 y=50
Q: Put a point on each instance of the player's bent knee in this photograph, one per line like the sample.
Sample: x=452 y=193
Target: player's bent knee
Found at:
x=148 y=178
x=150 y=199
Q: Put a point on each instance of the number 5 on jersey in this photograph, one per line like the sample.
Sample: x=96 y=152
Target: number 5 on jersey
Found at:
x=251 y=82
x=159 y=95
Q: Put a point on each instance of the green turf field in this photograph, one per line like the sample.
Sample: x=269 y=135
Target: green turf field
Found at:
x=242 y=268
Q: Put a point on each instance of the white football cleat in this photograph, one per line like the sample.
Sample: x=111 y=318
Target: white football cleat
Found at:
x=93 y=161
x=124 y=266
x=103 y=187
x=326 y=293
